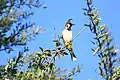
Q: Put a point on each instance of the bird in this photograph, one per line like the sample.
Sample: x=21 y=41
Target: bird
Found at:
x=67 y=39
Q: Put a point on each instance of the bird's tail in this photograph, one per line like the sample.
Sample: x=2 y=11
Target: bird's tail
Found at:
x=73 y=57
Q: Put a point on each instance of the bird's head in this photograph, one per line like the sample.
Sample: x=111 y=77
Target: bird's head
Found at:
x=69 y=24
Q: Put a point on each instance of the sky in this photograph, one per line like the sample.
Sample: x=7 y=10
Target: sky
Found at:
x=55 y=16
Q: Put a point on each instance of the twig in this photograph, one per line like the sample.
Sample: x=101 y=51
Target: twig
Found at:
x=79 y=32
x=72 y=40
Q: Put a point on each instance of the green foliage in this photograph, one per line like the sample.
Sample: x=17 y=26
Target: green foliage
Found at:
x=35 y=66
x=1 y=71
x=116 y=74
x=105 y=49
x=14 y=27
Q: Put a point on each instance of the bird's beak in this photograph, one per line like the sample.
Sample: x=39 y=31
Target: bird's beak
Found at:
x=72 y=25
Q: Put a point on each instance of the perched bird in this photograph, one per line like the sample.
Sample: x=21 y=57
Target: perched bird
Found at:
x=67 y=38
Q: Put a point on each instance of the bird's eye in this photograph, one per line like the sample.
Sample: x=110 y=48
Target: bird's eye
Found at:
x=68 y=25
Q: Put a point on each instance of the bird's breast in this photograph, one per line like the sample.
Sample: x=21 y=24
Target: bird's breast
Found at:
x=67 y=35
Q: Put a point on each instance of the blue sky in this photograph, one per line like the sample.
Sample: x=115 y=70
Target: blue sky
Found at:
x=55 y=16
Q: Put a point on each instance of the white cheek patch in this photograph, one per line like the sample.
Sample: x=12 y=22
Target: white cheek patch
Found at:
x=68 y=25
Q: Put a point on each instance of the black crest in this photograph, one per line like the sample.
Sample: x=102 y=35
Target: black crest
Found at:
x=69 y=22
